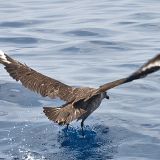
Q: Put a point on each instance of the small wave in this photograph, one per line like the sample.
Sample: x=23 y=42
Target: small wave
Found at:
x=81 y=33
x=19 y=40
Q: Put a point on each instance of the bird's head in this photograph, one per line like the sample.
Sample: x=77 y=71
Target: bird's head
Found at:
x=105 y=95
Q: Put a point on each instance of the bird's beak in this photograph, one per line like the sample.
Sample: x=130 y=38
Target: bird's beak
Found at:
x=107 y=97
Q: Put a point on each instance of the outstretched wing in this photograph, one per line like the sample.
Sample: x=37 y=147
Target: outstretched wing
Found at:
x=36 y=81
x=148 y=68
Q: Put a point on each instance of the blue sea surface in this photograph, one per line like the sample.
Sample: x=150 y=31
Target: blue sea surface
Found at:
x=81 y=43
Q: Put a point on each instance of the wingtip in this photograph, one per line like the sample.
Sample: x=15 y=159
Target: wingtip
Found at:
x=153 y=63
x=3 y=57
x=1 y=53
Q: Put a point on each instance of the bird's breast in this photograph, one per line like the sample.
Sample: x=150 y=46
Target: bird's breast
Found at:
x=95 y=103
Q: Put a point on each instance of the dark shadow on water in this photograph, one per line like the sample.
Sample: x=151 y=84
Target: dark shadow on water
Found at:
x=73 y=137
x=18 y=94
x=96 y=144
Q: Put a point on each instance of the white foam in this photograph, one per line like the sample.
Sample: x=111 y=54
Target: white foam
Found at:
x=3 y=57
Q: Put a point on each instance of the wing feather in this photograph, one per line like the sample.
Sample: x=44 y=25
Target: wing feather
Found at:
x=151 y=66
x=36 y=81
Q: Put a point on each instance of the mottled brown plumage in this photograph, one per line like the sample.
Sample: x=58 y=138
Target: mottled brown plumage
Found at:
x=80 y=102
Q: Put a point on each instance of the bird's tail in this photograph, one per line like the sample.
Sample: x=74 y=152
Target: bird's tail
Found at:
x=53 y=113
x=62 y=115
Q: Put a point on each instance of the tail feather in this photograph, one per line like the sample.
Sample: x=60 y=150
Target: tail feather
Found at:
x=57 y=115
x=52 y=113
x=63 y=115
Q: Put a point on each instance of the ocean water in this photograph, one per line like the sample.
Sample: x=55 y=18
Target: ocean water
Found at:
x=81 y=43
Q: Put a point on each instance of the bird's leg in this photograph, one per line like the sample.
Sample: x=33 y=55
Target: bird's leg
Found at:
x=82 y=124
x=67 y=127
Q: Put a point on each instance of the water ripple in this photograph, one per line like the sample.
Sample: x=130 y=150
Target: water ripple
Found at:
x=81 y=43
x=18 y=40
x=82 y=33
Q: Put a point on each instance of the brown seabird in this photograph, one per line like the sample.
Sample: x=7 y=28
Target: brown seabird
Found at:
x=80 y=102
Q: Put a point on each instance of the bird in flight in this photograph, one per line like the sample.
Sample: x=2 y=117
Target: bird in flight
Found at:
x=80 y=102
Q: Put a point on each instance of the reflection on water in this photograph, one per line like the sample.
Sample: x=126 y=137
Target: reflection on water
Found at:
x=81 y=43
